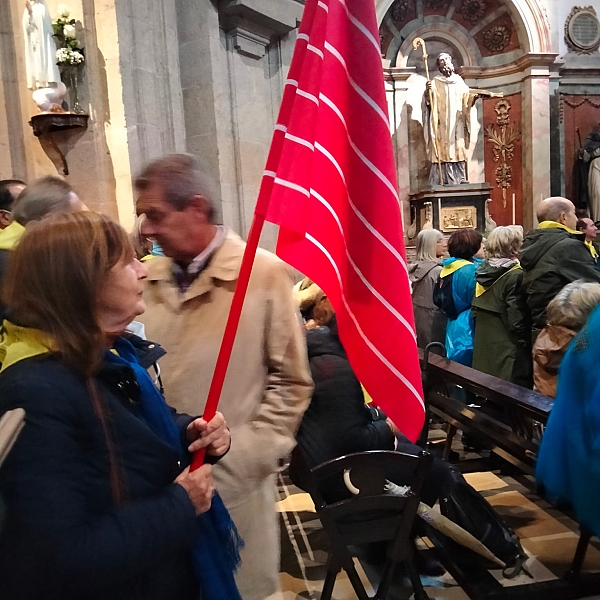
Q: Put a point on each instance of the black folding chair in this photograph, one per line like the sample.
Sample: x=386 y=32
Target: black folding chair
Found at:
x=369 y=515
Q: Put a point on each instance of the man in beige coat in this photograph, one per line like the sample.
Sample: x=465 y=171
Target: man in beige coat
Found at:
x=268 y=384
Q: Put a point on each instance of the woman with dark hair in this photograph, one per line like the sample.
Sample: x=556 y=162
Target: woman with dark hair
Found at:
x=100 y=504
x=454 y=292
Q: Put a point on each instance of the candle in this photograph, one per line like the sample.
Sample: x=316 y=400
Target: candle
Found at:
x=513 y=199
x=439 y=214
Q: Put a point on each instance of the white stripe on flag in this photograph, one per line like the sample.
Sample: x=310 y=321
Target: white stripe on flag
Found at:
x=293 y=138
x=368 y=285
x=315 y=50
x=291 y=82
x=308 y=96
x=279 y=127
x=367 y=341
x=356 y=87
x=357 y=212
x=354 y=147
x=375 y=43
x=323 y=6
x=292 y=186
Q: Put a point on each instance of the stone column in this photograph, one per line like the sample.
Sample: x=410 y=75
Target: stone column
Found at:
x=397 y=86
x=233 y=62
x=536 y=141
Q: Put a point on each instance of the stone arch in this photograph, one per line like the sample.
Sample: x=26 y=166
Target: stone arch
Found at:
x=454 y=36
x=529 y=16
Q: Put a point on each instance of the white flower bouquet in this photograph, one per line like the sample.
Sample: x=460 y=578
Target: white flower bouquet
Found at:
x=67 y=57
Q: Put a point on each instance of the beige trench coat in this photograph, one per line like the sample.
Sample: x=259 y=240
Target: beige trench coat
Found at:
x=266 y=391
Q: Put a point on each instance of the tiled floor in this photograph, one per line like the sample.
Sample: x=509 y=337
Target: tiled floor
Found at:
x=548 y=536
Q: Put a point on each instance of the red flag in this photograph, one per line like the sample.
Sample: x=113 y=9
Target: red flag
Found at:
x=330 y=184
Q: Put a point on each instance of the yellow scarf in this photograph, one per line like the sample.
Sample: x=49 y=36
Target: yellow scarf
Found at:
x=11 y=236
x=454 y=266
x=19 y=343
x=555 y=225
x=592 y=249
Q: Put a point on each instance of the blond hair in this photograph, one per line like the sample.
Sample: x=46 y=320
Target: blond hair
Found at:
x=572 y=306
x=504 y=242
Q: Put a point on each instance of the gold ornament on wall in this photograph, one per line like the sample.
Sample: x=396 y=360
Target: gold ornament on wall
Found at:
x=503 y=136
x=496 y=38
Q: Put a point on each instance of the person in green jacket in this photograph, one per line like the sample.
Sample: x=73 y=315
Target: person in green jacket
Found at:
x=502 y=344
x=554 y=255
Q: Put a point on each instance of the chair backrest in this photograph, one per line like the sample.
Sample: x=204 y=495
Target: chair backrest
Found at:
x=371 y=514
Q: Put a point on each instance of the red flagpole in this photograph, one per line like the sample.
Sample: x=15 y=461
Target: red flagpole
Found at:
x=216 y=385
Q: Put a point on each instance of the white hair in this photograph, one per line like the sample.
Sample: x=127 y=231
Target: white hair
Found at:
x=426 y=241
x=572 y=306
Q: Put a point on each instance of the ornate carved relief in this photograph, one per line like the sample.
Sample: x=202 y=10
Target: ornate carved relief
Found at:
x=503 y=136
x=582 y=30
x=473 y=10
x=497 y=38
x=399 y=10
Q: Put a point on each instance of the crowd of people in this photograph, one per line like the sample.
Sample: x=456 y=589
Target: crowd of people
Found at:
x=511 y=304
x=98 y=496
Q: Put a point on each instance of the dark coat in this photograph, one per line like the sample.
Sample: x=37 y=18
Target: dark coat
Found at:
x=502 y=343
x=552 y=258
x=64 y=538
x=337 y=421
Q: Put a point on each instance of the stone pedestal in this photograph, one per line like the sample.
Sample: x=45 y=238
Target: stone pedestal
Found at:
x=450 y=207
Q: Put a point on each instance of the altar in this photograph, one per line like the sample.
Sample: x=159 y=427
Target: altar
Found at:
x=450 y=207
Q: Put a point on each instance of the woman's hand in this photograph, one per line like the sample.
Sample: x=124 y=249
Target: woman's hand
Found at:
x=199 y=487
x=214 y=435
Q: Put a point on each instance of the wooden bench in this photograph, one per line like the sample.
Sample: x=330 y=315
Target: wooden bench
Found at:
x=500 y=414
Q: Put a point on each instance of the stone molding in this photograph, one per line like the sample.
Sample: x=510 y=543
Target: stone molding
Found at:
x=267 y=18
x=528 y=61
x=249 y=44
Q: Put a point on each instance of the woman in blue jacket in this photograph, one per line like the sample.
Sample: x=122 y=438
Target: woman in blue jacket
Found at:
x=100 y=504
x=455 y=290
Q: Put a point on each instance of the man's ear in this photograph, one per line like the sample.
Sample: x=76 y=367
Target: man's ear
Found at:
x=5 y=219
x=200 y=206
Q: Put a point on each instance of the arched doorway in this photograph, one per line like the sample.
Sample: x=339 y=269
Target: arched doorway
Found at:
x=499 y=45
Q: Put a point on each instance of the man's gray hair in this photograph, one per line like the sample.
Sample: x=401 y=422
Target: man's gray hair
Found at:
x=43 y=197
x=572 y=306
x=180 y=177
x=550 y=209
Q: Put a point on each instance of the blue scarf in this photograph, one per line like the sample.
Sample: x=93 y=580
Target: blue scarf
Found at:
x=215 y=550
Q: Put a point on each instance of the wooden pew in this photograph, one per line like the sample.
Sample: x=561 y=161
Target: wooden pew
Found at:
x=502 y=416
x=504 y=423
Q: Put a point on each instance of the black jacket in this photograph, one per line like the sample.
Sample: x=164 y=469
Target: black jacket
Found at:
x=64 y=538
x=552 y=258
x=337 y=421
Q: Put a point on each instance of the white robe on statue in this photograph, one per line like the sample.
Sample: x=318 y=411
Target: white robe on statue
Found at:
x=40 y=49
x=594 y=189
x=447 y=120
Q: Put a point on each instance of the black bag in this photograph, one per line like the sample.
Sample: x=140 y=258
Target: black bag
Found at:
x=460 y=503
x=442 y=296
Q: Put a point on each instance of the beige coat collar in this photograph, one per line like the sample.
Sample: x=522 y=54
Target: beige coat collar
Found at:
x=224 y=266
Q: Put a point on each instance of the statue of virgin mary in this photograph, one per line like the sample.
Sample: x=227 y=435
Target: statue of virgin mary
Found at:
x=40 y=49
